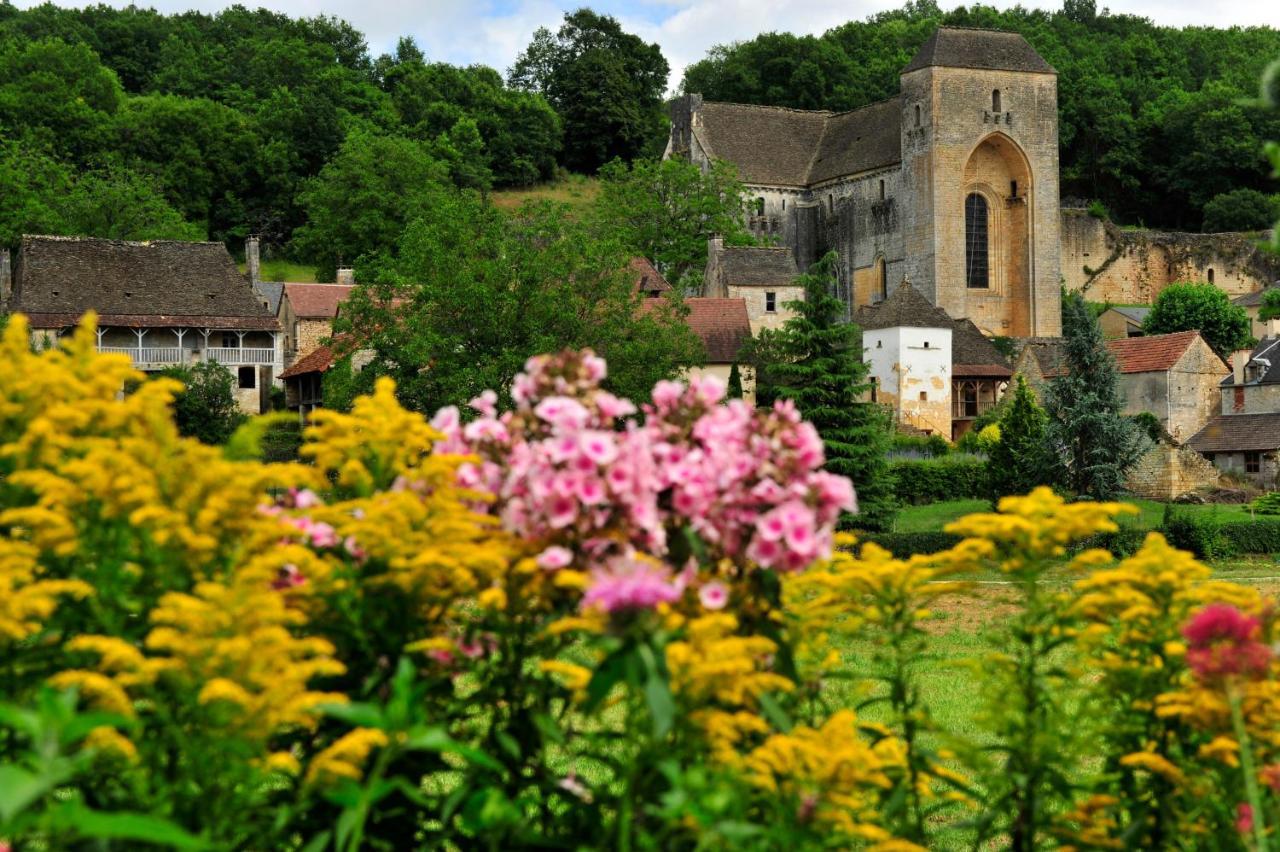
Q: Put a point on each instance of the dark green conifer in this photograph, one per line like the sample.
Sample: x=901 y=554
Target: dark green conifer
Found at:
x=1020 y=460
x=735 y=382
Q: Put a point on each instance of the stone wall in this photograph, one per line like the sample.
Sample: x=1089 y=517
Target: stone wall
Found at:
x=1166 y=472
x=1110 y=264
x=1250 y=399
x=756 y=300
x=1194 y=391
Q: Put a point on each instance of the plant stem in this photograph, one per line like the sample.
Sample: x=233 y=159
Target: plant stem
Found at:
x=1246 y=766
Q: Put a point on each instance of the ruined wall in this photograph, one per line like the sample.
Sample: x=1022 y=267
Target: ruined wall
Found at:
x=1166 y=472
x=912 y=369
x=1110 y=264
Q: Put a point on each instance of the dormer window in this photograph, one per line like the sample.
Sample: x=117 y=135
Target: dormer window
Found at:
x=995 y=101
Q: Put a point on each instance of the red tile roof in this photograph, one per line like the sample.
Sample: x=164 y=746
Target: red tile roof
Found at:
x=648 y=277
x=1154 y=353
x=316 y=361
x=722 y=325
x=316 y=301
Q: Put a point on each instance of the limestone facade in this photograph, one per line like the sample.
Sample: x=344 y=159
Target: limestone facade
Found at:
x=1167 y=472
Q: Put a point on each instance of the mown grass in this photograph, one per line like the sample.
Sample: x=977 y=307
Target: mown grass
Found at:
x=285 y=270
x=577 y=191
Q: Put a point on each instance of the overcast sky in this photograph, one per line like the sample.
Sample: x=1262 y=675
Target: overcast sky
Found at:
x=493 y=32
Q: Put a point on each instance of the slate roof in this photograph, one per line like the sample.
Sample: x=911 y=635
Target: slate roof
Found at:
x=1254 y=299
x=1048 y=352
x=1154 y=353
x=1138 y=315
x=316 y=361
x=972 y=354
x=904 y=308
x=858 y=141
x=1227 y=433
x=138 y=284
x=1265 y=358
x=271 y=292
x=316 y=301
x=648 y=278
x=722 y=324
x=757 y=266
x=991 y=50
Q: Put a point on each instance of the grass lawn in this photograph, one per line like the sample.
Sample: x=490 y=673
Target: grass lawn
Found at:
x=575 y=190
x=933 y=517
x=284 y=270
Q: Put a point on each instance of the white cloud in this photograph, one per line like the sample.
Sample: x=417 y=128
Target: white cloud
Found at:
x=493 y=32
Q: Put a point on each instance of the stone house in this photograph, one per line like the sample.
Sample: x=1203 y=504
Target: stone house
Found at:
x=1252 y=304
x=937 y=374
x=951 y=185
x=162 y=303
x=1122 y=322
x=723 y=327
x=303 y=380
x=306 y=315
x=1240 y=438
x=764 y=276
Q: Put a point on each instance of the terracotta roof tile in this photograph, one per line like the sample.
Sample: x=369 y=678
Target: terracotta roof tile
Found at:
x=316 y=301
x=1154 y=353
x=648 y=278
x=722 y=325
x=316 y=361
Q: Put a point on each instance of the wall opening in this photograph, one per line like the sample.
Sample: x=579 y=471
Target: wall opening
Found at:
x=924 y=396
x=759 y=206
x=1210 y=275
x=247 y=378
x=770 y=302
x=917 y=115
x=995 y=101
x=1013 y=189
x=977 y=273
x=884 y=280
x=882 y=190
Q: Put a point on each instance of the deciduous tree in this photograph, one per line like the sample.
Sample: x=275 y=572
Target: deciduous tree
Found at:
x=1203 y=308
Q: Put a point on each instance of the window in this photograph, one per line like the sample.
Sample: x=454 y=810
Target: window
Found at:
x=770 y=302
x=1013 y=189
x=884 y=280
x=759 y=206
x=784 y=204
x=995 y=101
x=926 y=344
x=975 y=242
x=248 y=378
x=882 y=190
x=875 y=389
x=230 y=340
x=924 y=396
x=831 y=203
x=970 y=399
x=1210 y=275
x=917 y=115
x=1253 y=462
x=879 y=344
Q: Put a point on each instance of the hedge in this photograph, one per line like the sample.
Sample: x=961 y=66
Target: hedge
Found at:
x=1209 y=537
x=904 y=545
x=953 y=477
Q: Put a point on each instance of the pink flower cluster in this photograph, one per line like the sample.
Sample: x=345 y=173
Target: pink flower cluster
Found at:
x=571 y=469
x=1222 y=642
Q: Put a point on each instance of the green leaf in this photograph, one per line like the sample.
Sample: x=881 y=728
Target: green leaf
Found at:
x=318 y=843
x=611 y=671
x=358 y=715
x=18 y=789
x=549 y=727
x=657 y=693
x=125 y=826
x=774 y=713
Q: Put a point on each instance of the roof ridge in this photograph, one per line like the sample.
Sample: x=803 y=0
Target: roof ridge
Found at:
x=845 y=112
x=83 y=238
x=979 y=29
x=822 y=112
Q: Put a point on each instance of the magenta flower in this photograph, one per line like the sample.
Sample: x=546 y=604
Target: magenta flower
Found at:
x=632 y=583
x=1222 y=641
x=554 y=558
x=713 y=596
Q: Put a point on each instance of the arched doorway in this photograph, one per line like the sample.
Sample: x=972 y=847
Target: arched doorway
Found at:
x=998 y=236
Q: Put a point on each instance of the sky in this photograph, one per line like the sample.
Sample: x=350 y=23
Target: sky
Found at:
x=493 y=32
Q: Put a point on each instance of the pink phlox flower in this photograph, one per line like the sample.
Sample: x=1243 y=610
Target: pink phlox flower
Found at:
x=320 y=534
x=303 y=498
x=630 y=583
x=612 y=407
x=599 y=446
x=713 y=595
x=667 y=394
x=1244 y=818
x=555 y=558
x=1222 y=641
x=708 y=389
x=571 y=784
x=562 y=412
x=353 y=549
x=595 y=368
x=486 y=403
x=447 y=420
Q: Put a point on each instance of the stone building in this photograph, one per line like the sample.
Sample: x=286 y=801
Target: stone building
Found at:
x=1252 y=304
x=1122 y=322
x=306 y=315
x=162 y=303
x=951 y=185
x=763 y=276
x=723 y=328
x=935 y=373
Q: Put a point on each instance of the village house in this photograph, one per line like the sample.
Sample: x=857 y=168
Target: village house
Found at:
x=936 y=373
x=306 y=314
x=1123 y=322
x=764 y=276
x=162 y=303
x=1244 y=436
x=1174 y=377
x=1252 y=304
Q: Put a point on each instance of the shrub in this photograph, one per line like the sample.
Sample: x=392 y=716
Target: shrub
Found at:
x=1240 y=210
x=904 y=545
x=929 y=446
x=1256 y=537
x=206 y=407
x=1267 y=504
x=954 y=477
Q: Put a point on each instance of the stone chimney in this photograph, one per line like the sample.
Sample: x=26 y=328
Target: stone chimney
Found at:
x=346 y=275
x=252 y=260
x=1239 y=359
x=1273 y=327
x=6 y=279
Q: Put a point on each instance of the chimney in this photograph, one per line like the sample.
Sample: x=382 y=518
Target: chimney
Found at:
x=252 y=260
x=1273 y=327
x=6 y=279
x=346 y=275
x=1239 y=359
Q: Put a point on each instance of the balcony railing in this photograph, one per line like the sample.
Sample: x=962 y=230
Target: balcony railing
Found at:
x=149 y=354
x=969 y=410
x=232 y=355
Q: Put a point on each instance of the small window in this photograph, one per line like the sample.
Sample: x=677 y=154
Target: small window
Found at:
x=759 y=205
x=926 y=344
x=1211 y=275
x=995 y=101
x=879 y=344
x=784 y=204
x=882 y=190
x=875 y=389
x=924 y=396
x=884 y=280
x=831 y=204
x=917 y=115
x=248 y=378
x=1013 y=189
x=230 y=340
x=1253 y=462
x=770 y=302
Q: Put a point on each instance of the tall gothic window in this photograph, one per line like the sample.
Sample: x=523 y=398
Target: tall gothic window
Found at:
x=884 y=280
x=917 y=115
x=995 y=101
x=975 y=242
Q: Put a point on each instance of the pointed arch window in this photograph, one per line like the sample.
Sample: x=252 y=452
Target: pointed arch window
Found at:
x=976 y=261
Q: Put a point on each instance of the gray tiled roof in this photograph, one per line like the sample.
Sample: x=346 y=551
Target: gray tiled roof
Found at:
x=1265 y=363
x=1227 y=433
x=992 y=50
x=757 y=266
x=60 y=277
x=1254 y=299
x=904 y=308
x=1138 y=315
x=769 y=145
x=858 y=141
x=270 y=291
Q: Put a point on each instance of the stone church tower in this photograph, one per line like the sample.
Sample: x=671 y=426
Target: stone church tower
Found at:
x=951 y=186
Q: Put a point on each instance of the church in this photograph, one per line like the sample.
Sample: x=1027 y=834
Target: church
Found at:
x=952 y=186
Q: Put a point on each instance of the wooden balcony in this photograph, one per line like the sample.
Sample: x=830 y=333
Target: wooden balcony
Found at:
x=163 y=355
x=240 y=356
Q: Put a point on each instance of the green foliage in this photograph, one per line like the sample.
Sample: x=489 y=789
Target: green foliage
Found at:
x=666 y=210
x=121 y=204
x=1270 y=304
x=605 y=84
x=926 y=445
x=1267 y=504
x=954 y=477
x=1094 y=443
x=1098 y=210
x=904 y=545
x=1209 y=536
x=1204 y=308
x=206 y=408
x=734 y=390
x=1152 y=122
x=1149 y=425
x=1021 y=459
x=483 y=291
x=821 y=370
x=1240 y=210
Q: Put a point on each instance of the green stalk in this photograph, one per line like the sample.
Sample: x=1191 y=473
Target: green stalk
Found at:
x=1246 y=766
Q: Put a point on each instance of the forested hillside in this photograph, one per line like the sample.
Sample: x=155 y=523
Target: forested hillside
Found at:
x=1151 y=119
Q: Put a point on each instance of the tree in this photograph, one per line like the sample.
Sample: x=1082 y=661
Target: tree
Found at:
x=206 y=408
x=120 y=204
x=1241 y=210
x=823 y=373
x=1095 y=443
x=1020 y=461
x=1203 y=308
x=734 y=390
x=605 y=84
x=471 y=292
x=666 y=210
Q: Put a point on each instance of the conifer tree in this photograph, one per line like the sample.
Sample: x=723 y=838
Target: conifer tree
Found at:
x=820 y=369
x=1020 y=460
x=1096 y=443
x=735 y=382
